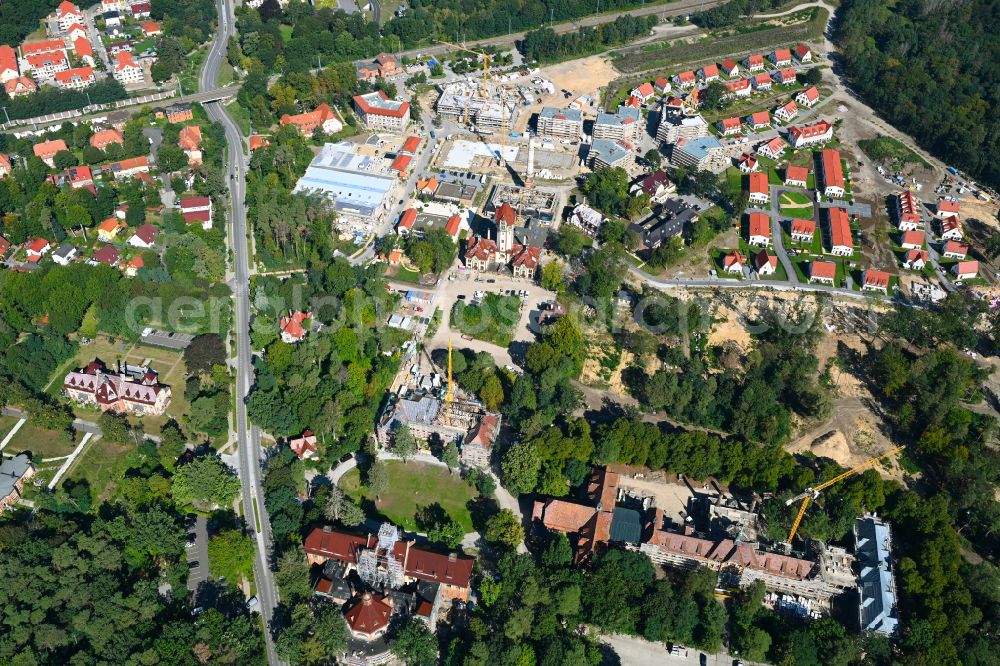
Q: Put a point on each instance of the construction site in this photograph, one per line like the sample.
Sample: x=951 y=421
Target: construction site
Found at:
x=484 y=109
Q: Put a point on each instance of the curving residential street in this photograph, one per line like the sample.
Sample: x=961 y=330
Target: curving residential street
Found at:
x=248 y=436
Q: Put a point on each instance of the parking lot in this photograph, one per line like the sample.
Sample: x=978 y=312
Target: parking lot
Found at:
x=197 y=552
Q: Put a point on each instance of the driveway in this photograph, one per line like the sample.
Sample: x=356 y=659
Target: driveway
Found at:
x=197 y=555
x=638 y=652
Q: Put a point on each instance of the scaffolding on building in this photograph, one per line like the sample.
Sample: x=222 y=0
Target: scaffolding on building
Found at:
x=378 y=566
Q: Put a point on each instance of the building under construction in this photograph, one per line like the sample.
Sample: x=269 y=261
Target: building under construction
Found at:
x=464 y=102
x=529 y=202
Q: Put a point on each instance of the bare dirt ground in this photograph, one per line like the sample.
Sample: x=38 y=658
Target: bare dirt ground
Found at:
x=982 y=211
x=591 y=375
x=854 y=432
x=580 y=77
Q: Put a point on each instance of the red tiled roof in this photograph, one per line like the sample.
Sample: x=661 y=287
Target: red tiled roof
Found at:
x=505 y=214
x=49 y=148
x=401 y=162
x=876 y=278
x=67 y=76
x=732 y=259
x=410 y=145
x=42 y=60
x=760 y=225
x=760 y=118
x=566 y=516
x=809 y=131
x=729 y=65
x=369 y=614
x=737 y=85
x=954 y=247
x=20 y=84
x=811 y=93
x=709 y=71
x=762 y=259
x=914 y=255
x=258 y=141
x=802 y=50
x=481 y=248
x=407 y=219
x=782 y=54
x=833 y=171
x=645 y=89
x=124 y=60
x=42 y=46
x=730 y=123
x=311 y=120
x=292 y=324
x=755 y=59
x=195 y=202
x=823 y=269
x=106 y=137
x=840 y=228
x=803 y=227
x=83 y=47
x=8 y=59
x=452 y=226
x=763 y=79
x=948 y=206
x=189 y=138
x=107 y=255
x=797 y=173
x=967 y=268
x=38 y=245
x=912 y=237
x=398 y=112
x=146 y=233
x=759 y=184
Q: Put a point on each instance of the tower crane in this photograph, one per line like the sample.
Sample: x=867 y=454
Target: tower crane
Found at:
x=487 y=61
x=812 y=493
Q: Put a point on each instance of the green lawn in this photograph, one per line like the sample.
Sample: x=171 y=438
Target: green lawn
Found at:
x=492 y=321
x=796 y=204
x=404 y=274
x=412 y=486
x=42 y=443
x=98 y=466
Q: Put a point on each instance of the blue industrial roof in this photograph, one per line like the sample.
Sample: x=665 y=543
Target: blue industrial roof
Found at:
x=341 y=174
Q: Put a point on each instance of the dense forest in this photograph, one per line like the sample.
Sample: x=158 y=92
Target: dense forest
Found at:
x=55 y=100
x=20 y=19
x=544 y=45
x=930 y=68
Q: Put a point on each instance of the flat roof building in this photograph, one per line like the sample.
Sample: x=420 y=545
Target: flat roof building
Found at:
x=876 y=586
x=621 y=125
x=705 y=153
x=610 y=153
x=560 y=123
x=346 y=178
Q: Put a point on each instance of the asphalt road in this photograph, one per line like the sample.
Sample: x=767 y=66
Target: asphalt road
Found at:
x=248 y=436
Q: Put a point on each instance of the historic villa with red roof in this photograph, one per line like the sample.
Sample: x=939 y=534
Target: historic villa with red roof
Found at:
x=305 y=446
x=294 y=326
x=127 y=389
x=322 y=117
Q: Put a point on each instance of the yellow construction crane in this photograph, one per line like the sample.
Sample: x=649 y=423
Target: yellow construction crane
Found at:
x=812 y=493
x=487 y=61
x=690 y=103
x=449 y=397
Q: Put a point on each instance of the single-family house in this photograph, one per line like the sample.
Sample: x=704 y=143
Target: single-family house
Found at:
x=75 y=31
x=144 y=236
x=739 y=87
x=37 y=249
x=781 y=57
x=129 y=168
x=189 y=141
x=754 y=63
x=65 y=254
x=733 y=262
x=785 y=77
x=104 y=138
x=759 y=230
x=46 y=150
x=954 y=250
x=796 y=176
x=873 y=280
x=109 y=229
x=131 y=266
x=197 y=210
x=84 y=50
x=947 y=208
x=78 y=177
x=748 y=163
x=766 y=264
x=730 y=68
x=258 y=141
x=709 y=73
x=656 y=186
x=759 y=121
x=774 y=149
x=729 y=126
x=294 y=326
x=107 y=255
x=951 y=229
x=803 y=53
x=912 y=240
x=151 y=28
x=305 y=446
x=965 y=270
x=14 y=472
x=786 y=112
x=685 y=79
x=803 y=231
x=808 y=97
x=19 y=87
x=841 y=240
x=759 y=189
x=9 y=68
x=5 y=165
x=915 y=260
x=762 y=82
x=644 y=92
x=661 y=85
x=823 y=272
x=831 y=173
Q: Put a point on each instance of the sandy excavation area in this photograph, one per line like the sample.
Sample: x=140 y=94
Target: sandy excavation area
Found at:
x=580 y=77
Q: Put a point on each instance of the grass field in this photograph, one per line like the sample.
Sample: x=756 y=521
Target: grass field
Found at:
x=795 y=204
x=891 y=151
x=414 y=485
x=98 y=466
x=493 y=321
x=42 y=443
